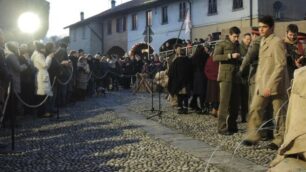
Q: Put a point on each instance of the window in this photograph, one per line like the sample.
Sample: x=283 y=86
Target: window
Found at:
x=212 y=6
x=149 y=18
x=134 y=22
x=277 y=6
x=124 y=24
x=182 y=14
x=237 y=4
x=74 y=34
x=109 y=27
x=83 y=32
x=164 y=15
x=121 y=24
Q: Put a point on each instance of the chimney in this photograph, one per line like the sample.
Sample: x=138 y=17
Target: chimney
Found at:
x=82 y=15
x=113 y=3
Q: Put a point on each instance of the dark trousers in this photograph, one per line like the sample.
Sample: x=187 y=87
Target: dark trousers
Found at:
x=61 y=95
x=27 y=94
x=182 y=100
x=214 y=105
x=194 y=101
x=51 y=104
x=91 y=87
x=41 y=110
x=12 y=110
x=81 y=94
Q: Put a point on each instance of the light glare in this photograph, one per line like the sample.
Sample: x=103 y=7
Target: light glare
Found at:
x=28 y=22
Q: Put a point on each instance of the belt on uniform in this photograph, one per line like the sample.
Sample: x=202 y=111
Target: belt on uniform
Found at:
x=236 y=63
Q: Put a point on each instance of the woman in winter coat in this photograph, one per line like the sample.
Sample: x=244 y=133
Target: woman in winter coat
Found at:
x=180 y=79
x=82 y=77
x=14 y=69
x=199 y=80
x=42 y=63
x=42 y=79
x=27 y=79
x=212 y=94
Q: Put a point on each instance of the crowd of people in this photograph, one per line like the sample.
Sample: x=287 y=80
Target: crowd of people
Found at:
x=44 y=75
x=250 y=79
x=228 y=79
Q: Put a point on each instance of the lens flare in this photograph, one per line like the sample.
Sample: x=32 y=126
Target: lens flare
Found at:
x=28 y=22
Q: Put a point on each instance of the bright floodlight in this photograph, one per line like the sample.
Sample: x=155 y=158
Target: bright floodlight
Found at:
x=28 y=22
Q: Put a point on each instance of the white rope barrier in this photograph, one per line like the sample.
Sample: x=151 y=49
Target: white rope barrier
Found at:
x=37 y=105
x=68 y=80
x=5 y=104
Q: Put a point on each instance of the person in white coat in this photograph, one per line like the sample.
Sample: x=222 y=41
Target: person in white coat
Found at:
x=42 y=79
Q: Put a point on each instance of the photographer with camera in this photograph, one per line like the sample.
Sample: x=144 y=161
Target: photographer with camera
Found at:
x=294 y=50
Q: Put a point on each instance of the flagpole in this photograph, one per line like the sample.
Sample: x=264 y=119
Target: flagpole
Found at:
x=179 y=33
x=183 y=22
x=190 y=18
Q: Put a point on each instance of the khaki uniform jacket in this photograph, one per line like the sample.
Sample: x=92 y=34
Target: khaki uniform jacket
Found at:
x=251 y=59
x=272 y=67
x=243 y=49
x=222 y=54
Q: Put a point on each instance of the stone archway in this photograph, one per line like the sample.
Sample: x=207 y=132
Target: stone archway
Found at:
x=171 y=42
x=116 y=51
x=141 y=49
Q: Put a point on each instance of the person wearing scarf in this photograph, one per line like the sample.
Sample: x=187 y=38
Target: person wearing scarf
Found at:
x=82 y=77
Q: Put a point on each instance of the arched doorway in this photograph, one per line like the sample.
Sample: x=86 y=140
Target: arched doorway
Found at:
x=116 y=51
x=141 y=49
x=171 y=42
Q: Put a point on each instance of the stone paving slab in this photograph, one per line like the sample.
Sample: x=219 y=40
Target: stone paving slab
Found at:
x=221 y=159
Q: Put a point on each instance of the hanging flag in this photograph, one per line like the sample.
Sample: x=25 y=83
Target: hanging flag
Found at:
x=187 y=22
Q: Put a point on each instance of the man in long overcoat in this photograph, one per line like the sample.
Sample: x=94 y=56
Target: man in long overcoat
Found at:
x=248 y=69
x=271 y=84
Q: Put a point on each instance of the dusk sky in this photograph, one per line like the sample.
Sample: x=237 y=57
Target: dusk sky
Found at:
x=66 y=12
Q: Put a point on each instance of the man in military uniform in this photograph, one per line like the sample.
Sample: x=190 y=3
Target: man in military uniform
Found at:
x=244 y=46
x=271 y=85
x=294 y=52
x=249 y=63
x=227 y=53
x=248 y=70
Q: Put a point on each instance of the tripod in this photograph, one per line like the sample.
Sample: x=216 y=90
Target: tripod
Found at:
x=159 y=111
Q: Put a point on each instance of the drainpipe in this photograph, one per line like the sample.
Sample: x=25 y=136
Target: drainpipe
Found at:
x=251 y=13
x=102 y=30
x=190 y=11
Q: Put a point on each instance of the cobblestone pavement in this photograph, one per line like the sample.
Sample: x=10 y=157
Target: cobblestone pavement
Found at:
x=204 y=127
x=90 y=137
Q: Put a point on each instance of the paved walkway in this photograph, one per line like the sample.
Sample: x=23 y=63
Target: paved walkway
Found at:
x=102 y=134
x=92 y=138
x=223 y=160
